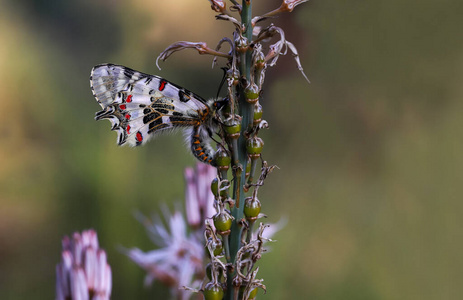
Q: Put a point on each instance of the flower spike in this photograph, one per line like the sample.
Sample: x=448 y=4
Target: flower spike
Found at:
x=140 y=105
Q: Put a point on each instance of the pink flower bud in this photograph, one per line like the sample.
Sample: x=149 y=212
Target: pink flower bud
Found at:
x=83 y=272
x=198 y=196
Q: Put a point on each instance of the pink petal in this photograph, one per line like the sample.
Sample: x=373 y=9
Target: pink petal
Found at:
x=79 y=289
x=191 y=199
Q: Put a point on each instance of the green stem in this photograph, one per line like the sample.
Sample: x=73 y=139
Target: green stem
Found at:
x=250 y=229
x=253 y=171
x=245 y=110
x=226 y=247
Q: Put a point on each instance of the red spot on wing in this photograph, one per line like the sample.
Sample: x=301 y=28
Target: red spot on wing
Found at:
x=127 y=116
x=128 y=129
x=162 y=85
x=139 y=136
x=129 y=99
x=122 y=106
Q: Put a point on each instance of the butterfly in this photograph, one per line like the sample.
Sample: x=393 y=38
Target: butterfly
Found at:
x=140 y=106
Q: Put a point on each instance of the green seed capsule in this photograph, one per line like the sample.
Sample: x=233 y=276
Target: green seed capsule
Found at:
x=257 y=113
x=252 y=93
x=241 y=44
x=215 y=187
x=253 y=294
x=222 y=159
x=224 y=193
x=233 y=127
x=254 y=146
x=219 y=190
x=213 y=291
x=260 y=58
x=248 y=167
x=252 y=208
x=217 y=248
x=222 y=222
x=235 y=75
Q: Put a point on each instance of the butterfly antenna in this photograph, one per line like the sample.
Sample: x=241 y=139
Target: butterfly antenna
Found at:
x=222 y=82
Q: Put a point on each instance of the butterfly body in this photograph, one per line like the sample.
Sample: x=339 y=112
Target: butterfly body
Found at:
x=139 y=106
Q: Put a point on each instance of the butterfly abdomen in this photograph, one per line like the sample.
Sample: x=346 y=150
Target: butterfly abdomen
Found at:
x=200 y=147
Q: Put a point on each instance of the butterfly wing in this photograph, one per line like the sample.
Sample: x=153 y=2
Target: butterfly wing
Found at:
x=140 y=105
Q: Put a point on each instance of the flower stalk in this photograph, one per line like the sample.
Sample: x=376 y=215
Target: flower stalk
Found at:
x=240 y=147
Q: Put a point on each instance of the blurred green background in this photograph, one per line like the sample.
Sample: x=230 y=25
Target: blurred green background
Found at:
x=370 y=157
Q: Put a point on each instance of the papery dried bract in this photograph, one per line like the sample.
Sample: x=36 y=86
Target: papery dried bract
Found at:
x=182 y=45
x=218 y=6
x=289 y=5
x=280 y=48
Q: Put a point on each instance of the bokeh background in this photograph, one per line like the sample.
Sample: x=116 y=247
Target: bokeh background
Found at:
x=369 y=153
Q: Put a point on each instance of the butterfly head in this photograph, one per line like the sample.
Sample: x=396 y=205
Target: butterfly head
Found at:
x=218 y=104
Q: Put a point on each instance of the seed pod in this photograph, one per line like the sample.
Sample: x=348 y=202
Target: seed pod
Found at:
x=223 y=222
x=216 y=246
x=260 y=62
x=222 y=159
x=241 y=44
x=234 y=74
x=213 y=291
x=252 y=208
x=218 y=249
x=248 y=167
x=252 y=93
x=257 y=114
x=254 y=146
x=233 y=128
x=252 y=294
x=215 y=187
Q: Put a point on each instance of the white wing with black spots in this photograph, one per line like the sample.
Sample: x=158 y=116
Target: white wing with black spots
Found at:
x=139 y=105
